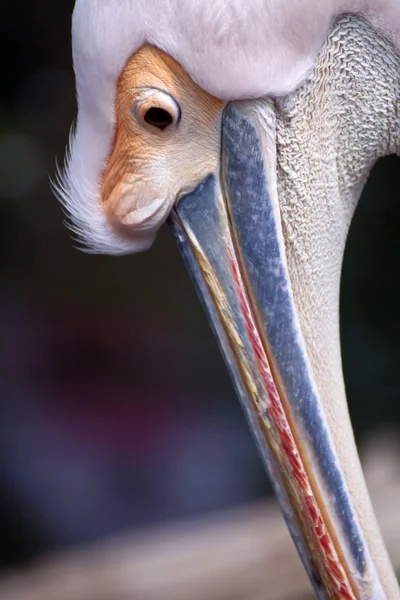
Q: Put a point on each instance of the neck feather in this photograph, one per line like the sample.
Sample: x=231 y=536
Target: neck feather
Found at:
x=329 y=135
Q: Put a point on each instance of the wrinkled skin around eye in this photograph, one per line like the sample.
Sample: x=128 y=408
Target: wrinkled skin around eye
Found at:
x=151 y=167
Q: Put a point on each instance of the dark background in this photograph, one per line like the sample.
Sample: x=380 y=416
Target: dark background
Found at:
x=116 y=411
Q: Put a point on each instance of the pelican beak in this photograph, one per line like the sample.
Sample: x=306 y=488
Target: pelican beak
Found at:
x=271 y=293
x=229 y=233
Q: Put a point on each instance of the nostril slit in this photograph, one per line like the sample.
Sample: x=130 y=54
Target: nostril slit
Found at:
x=158 y=117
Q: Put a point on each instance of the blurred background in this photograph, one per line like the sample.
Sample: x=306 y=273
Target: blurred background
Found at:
x=116 y=411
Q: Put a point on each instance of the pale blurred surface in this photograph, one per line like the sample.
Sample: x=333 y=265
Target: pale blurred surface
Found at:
x=246 y=554
x=116 y=412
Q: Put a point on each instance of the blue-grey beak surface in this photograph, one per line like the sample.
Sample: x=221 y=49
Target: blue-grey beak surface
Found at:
x=229 y=233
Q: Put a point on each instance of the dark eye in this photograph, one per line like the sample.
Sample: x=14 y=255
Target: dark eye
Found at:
x=157 y=111
x=158 y=117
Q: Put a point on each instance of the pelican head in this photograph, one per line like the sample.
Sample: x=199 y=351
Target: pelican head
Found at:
x=251 y=126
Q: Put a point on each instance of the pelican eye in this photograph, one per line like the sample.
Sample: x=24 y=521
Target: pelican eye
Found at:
x=157 y=111
x=158 y=117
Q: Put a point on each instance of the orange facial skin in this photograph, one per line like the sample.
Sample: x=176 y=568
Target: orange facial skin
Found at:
x=167 y=140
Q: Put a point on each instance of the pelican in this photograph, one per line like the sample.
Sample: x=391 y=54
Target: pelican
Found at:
x=251 y=125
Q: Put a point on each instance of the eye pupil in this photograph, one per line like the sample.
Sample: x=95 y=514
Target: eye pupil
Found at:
x=158 y=117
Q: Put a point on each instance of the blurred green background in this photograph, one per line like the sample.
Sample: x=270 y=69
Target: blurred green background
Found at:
x=116 y=409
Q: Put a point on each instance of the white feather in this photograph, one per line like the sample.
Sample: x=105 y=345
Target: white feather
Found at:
x=231 y=48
